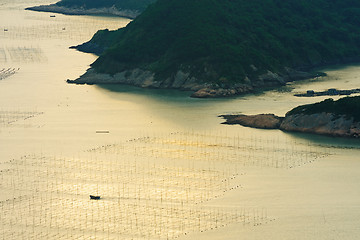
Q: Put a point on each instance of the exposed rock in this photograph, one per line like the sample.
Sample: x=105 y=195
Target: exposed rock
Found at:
x=322 y=123
x=294 y=75
x=264 y=121
x=253 y=67
x=181 y=80
x=214 y=92
x=270 y=79
x=136 y=77
x=206 y=92
x=192 y=84
x=146 y=79
x=140 y=78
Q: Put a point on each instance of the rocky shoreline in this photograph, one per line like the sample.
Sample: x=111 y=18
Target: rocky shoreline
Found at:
x=184 y=81
x=262 y=121
x=319 y=123
x=329 y=92
x=112 y=11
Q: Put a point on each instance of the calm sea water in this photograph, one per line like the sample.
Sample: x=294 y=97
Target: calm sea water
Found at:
x=162 y=163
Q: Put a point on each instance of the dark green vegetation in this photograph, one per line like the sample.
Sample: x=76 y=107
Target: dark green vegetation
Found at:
x=348 y=106
x=119 y=4
x=225 y=41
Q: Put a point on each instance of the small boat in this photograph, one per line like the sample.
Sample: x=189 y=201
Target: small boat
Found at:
x=5 y=30
x=52 y=16
x=102 y=131
x=94 y=197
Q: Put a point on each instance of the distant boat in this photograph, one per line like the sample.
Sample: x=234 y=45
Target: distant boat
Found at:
x=102 y=131
x=94 y=197
x=52 y=16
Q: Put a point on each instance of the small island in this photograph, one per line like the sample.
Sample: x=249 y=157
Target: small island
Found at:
x=339 y=118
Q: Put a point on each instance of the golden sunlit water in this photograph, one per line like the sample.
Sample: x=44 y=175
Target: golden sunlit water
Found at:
x=161 y=162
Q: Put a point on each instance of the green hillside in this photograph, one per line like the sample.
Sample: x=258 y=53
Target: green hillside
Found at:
x=226 y=41
x=119 y=4
x=348 y=106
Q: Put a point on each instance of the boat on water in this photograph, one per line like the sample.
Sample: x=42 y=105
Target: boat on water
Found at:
x=93 y=197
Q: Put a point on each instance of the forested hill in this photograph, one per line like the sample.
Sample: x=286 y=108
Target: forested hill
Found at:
x=123 y=8
x=226 y=42
x=348 y=106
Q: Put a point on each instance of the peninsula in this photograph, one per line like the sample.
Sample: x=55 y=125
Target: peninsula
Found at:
x=339 y=118
x=222 y=48
x=122 y=8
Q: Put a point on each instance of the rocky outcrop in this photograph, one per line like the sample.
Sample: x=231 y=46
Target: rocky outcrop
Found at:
x=213 y=91
x=322 y=123
x=264 y=121
x=269 y=79
x=294 y=75
x=136 y=77
x=140 y=78
x=146 y=79
x=180 y=80
x=319 y=123
x=112 y=11
x=89 y=47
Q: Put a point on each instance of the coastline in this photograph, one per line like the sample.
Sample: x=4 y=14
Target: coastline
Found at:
x=323 y=123
x=202 y=89
x=112 y=11
x=329 y=92
x=184 y=81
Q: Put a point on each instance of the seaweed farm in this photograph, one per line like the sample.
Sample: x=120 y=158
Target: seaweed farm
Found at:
x=212 y=148
x=25 y=54
x=151 y=188
x=17 y=118
x=61 y=27
x=7 y=72
x=120 y=162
